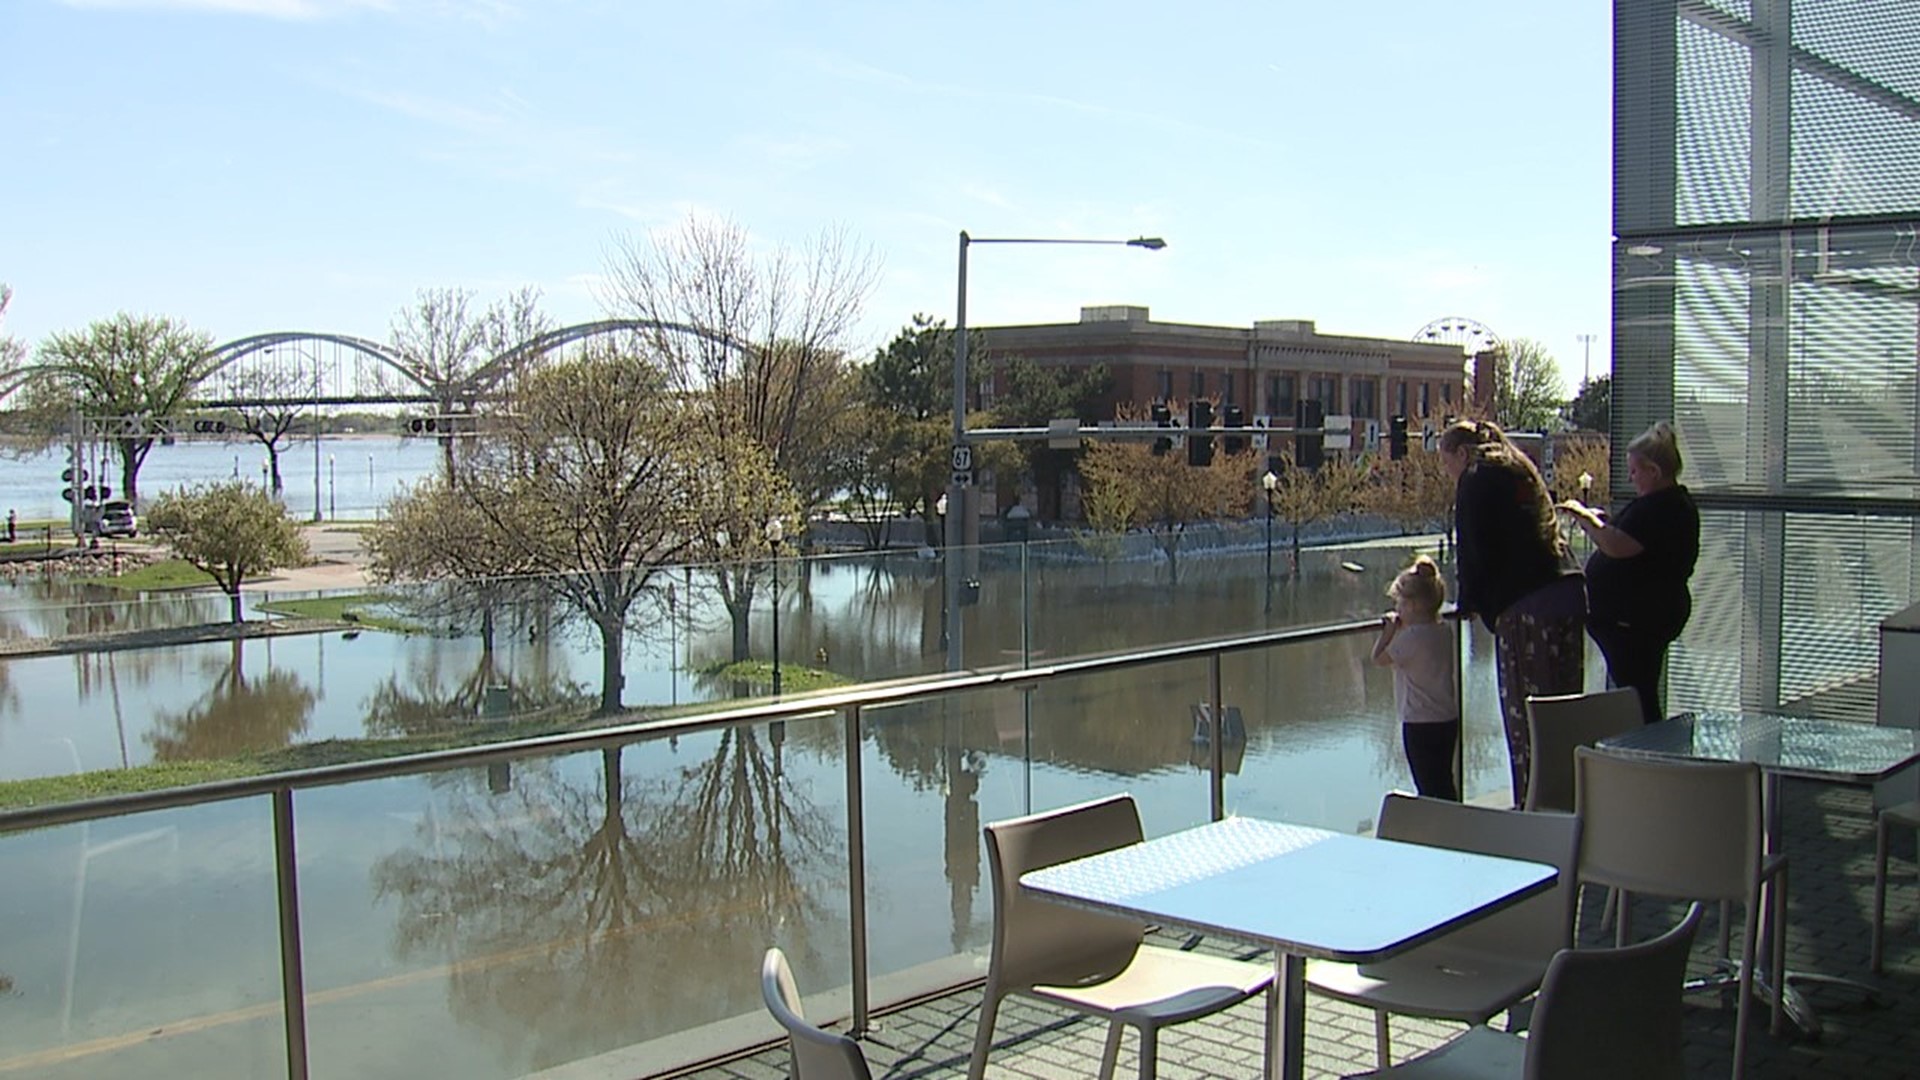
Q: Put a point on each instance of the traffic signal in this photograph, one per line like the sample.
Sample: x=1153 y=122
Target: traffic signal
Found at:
x=209 y=427
x=423 y=425
x=1309 y=444
x=1199 y=447
x=1396 y=437
x=1162 y=417
x=1233 y=416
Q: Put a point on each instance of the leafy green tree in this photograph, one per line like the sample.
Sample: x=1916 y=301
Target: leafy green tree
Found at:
x=1036 y=394
x=433 y=532
x=11 y=351
x=230 y=530
x=139 y=367
x=1592 y=408
x=907 y=424
x=1525 y=395
x=593 y=482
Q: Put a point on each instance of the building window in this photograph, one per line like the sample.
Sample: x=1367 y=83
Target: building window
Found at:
x=1197 y=385
x=1426 y=399
x=1226 y=388
x=1165 y=388
x=1446 y=393
x=1326 y=390
x=1366 y=399
x=1280 y=396
x=1402 y=410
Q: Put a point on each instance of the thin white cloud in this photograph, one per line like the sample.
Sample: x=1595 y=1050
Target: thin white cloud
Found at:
x=271 y=9
x=488 y=13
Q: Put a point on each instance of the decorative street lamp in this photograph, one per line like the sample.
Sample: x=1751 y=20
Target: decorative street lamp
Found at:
x=962 y=458
x=1586 y=494
x=1268 y=482
x=776 y=531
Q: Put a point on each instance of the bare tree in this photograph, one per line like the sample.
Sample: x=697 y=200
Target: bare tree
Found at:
x=1525 y=395
x=266 y=415
x=11 y=351
x=757 y=336
x=446 y=346
x=1129 y=486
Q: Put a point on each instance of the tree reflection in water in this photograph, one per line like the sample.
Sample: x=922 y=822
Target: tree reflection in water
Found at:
x=423 y=701
x=571 y=911
x=239 y=714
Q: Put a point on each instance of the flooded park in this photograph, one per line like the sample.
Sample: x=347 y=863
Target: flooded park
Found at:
x=512 y=919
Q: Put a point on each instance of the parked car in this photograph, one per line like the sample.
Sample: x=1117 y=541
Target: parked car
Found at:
x=115 y=518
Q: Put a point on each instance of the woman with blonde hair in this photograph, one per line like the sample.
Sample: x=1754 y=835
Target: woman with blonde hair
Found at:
x=1514 y=572
x=1637 y=574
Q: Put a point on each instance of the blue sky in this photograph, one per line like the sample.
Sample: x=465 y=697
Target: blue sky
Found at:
x=257 y=165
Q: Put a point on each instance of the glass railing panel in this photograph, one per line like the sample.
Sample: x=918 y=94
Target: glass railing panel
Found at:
x=1126 y=730
x=934 y=772
x=142 y=946
x=609 y=906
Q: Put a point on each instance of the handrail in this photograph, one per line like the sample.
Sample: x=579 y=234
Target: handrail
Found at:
x=867 y=696
x=850 y=703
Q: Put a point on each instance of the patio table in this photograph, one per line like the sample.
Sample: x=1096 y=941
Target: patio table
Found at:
x=1301 y=892
x=1829 y=751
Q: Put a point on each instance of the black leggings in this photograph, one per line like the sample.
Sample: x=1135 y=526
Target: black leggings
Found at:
x=1430 y=748
x=1634 y=661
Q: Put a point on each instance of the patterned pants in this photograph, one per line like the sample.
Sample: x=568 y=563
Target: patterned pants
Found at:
x=1533 y=654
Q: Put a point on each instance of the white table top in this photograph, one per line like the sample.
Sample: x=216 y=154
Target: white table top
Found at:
x=1297 y=890
x=1832 y=750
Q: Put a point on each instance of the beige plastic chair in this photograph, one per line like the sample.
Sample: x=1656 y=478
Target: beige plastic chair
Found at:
x=1905 y=815
x=1558 y=724
x=1686 y=830
x=817 y=1054
x=1483 y=968
x=1088 y=962
x=1603 y=1014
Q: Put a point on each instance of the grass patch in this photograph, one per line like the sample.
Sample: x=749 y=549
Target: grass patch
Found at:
x=53 y=790
x=157 y=576
x=355 y=608
x=794 y=678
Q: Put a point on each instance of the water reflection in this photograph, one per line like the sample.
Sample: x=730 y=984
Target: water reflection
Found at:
x=441 y=686
x=239 y=714
x=573 y=910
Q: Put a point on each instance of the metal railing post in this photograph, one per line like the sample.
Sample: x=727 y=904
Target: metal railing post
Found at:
x=856 y=877
x=1460 y=706
x=1217 y=764
x=293 y=993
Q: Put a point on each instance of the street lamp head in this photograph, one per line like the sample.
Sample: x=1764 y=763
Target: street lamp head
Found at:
x=940 y=506
x=1269 y=481
x=776 y=531
x=1151 y=243
x=1586 y=480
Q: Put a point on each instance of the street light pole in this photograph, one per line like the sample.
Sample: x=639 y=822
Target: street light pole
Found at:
x=956 y=497
x=775 y=532
x=1269 y=482
x=333 y=507
x=1586 y=358
x=316 y=437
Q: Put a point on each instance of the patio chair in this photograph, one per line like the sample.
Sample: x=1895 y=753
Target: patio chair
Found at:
x=1483 y=968
x=1087 y=962
x=1602 y=1014
x=1905 y=815
x=1558 y=724
x=1685 y=830
x=817 y=1054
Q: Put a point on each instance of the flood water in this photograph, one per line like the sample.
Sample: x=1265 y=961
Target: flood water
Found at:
x=613 y=906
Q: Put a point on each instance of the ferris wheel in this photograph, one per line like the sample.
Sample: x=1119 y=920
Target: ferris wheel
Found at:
x=1471 y=335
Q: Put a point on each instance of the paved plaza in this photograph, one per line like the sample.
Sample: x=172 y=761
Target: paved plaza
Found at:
x=1829 y=841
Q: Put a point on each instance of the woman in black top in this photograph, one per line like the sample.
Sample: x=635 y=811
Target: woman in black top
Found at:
x=1514 y=573
x=1637 y=575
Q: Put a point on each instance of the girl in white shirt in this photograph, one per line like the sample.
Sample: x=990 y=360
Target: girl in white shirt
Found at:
x=1420 y=650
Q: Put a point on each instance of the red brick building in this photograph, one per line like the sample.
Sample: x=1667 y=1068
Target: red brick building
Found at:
x=1266 y=369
